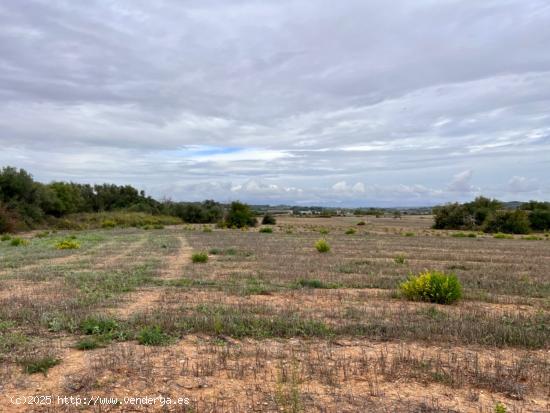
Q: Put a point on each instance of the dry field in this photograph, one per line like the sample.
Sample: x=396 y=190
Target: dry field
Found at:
x=268 y=324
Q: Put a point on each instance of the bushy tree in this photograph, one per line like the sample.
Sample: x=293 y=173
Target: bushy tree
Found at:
x=511 y=222
x=269 y=219
x=240 y=215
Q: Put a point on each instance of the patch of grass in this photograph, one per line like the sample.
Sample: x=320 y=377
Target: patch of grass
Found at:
x=153 y=336
x=400 y=259
x=108 y=223
x=361 y=223
x=67 y=244
x=91 y=343
x=500 y=235
x=266 y=230
x=432 y=286
x=42 y=234
x=464 y=235
x=312 y=283
x=532 y=238
x=410 y=234
x=99 y=326
x=350 y=231
x=32 y=365
x=199 y=257
x=19 y=242
x=206 y=229
x=500 y=408
x=323 y=231
x=322 y=246
x=5 y=237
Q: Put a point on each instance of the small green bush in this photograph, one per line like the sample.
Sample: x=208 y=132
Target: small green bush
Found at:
x=322 y=245
x=323 y=231
x=350 y=231
x=90 y=343
x=153 y=336
x=17 y=242
x=268 y=219
x=500 y=235
x=432 y=286
x=199 y=257
x=410 y=234
x=39 y=365
x=266 y=230
x=5 y=237
x=308 y=283
x=532 y=238
x=361 y=223
x=400 y=259
x=108 y=223
x=99 y=326
x=42 y=234
x=67 y=244
x=206 y=229
x=500 y=408
x=464 y=235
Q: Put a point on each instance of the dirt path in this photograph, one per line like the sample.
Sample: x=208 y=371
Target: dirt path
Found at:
x=146 y=298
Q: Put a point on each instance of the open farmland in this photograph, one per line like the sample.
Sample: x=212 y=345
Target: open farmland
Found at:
x=268 y=324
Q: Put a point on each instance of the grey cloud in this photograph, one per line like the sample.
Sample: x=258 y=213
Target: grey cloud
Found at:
x=401 y=96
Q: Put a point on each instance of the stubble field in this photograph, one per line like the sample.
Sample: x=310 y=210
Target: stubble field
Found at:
x=268 y=324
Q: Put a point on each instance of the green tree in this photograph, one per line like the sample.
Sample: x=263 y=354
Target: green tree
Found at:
x=240 y=215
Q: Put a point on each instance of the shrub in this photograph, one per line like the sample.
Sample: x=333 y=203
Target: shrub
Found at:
x=7 y=220
x=400 y=259
x=500 y=235
x=323 y=231
x=350 y=231
x=307 y=283
x=90 y=343
x=5 y=237
x=16 y=242
x=510 y=222
x=199 y=257
x=268 y=219
x=39 y=365
x=108 y=223
x=42 y=234
x=410 y=234
x=153 y=336
x=206 y=229
x=240 y=215
x=266 y=230
x=361 y=223
x=99 y=326
x=500 y=408
x=432 y=286
x=322 y=245
x=67 y=244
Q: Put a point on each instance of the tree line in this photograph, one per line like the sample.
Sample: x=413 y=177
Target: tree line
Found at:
x=489 y=215
x=26 y=203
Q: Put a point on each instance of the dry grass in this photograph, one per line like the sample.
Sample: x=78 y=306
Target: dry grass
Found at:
x=269 y=324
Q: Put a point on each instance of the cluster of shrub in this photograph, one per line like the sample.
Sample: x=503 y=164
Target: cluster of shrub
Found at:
x=25 y=203
x=489 y=215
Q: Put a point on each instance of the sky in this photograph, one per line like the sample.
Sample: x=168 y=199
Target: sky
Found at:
x=305 y=102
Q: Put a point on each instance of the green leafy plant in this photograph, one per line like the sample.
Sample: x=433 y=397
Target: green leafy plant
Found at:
x=500 y=235
x=199 y=257
x=34 y=365
x=322 y=246
x=350 y=231
x=500 y=408
x=67 y=244
x=432 y=286
x=19 y=242
x=266 y=230
x=400 y=259
x=153 y=336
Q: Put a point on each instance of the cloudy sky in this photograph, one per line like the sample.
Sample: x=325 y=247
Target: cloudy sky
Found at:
x=356 y=102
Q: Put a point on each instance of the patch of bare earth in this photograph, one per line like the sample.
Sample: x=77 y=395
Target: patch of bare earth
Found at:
x=146 y=298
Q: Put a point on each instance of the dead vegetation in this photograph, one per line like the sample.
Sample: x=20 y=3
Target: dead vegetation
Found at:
x=269 y=324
